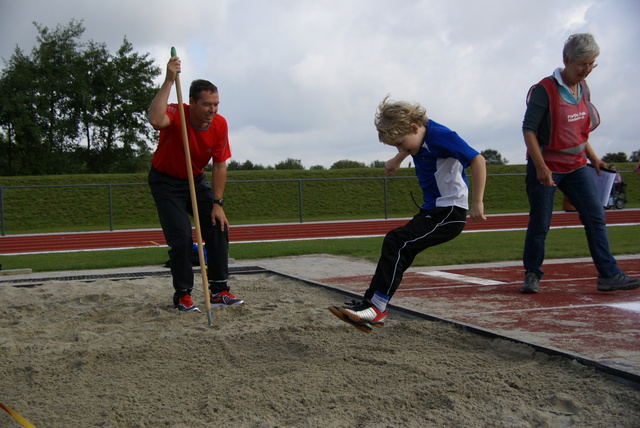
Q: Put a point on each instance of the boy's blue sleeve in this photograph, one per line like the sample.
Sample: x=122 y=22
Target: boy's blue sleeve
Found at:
x=453 y=146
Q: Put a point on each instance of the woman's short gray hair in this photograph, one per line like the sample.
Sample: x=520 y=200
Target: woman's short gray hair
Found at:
x=580 y=46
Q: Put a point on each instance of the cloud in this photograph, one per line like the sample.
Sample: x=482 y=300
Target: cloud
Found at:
x=303 y=79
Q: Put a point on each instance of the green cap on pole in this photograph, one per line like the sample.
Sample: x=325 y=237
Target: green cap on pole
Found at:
x=173 y=52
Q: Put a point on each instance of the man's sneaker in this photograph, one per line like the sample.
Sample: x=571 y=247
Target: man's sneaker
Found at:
x=360 y=325
x=620 y=281
x=224 y=298
x=185 y=304
x=530 y=284
x=364 y=313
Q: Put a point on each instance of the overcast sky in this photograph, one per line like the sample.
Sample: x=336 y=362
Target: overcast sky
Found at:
x=302 y=79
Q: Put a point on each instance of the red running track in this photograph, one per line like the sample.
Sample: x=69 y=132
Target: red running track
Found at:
x=78 y=241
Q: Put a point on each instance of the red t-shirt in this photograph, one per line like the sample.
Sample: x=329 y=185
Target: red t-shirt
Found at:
x=204 y=145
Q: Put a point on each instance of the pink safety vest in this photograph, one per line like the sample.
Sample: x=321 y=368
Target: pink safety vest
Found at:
x=570 y=128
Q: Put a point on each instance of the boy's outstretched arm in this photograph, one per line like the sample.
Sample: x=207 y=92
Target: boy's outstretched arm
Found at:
x=392 y=165
x=479 y=177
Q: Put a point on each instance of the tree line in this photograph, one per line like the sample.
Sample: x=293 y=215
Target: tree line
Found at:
x=493 y=157
x=291 y=163
x=72 y=107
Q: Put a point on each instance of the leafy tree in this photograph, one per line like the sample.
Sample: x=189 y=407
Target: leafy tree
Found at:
x=346 y=163
x=57 y=102
x=635 y=156
x=233 y=165
x=614 y=157
x=377 y=164
x=67 y=93
x=493 y=157
x=317 y=168
x=93 y=89
x=290 y=164
x=21 y=135
x=245 y=166
x=120 y=107
x=252 y=166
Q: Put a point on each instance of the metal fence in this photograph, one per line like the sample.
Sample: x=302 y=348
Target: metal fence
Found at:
x=120 y=206
x=109 y=203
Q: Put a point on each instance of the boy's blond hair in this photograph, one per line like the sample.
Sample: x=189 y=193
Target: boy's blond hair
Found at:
x=394 y=118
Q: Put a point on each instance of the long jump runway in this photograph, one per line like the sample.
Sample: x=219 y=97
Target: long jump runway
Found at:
x=568 y=316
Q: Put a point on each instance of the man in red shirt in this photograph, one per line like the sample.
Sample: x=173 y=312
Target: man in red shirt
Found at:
x=168 y=179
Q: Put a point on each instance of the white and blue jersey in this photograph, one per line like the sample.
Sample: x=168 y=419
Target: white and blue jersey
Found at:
x=440 y=166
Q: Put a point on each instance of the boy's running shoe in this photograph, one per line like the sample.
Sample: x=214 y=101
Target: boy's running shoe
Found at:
x=224 y=298
x=365 y=312
x=362 y=315
x=362 y=326
x=185 y=304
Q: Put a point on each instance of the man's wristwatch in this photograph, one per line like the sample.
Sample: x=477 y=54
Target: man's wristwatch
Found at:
x=219 y=201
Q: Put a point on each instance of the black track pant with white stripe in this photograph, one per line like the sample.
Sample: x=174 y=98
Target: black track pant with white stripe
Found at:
x=402 y=245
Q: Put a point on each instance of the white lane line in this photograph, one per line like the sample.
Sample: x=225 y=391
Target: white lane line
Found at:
x=632 y=306
x=462 y=278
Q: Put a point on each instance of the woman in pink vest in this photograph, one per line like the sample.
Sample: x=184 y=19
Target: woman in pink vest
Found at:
x=556 y=127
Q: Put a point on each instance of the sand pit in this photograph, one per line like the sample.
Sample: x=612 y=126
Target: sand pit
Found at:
x=114 y=353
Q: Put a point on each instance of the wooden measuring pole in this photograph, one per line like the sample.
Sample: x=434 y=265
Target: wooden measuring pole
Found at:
x=194 y=201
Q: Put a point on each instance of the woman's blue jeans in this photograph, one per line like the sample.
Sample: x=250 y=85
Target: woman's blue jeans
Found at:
x=579 y=187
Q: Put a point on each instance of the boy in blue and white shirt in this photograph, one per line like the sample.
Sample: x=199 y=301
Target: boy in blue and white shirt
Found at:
x=440 y=157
